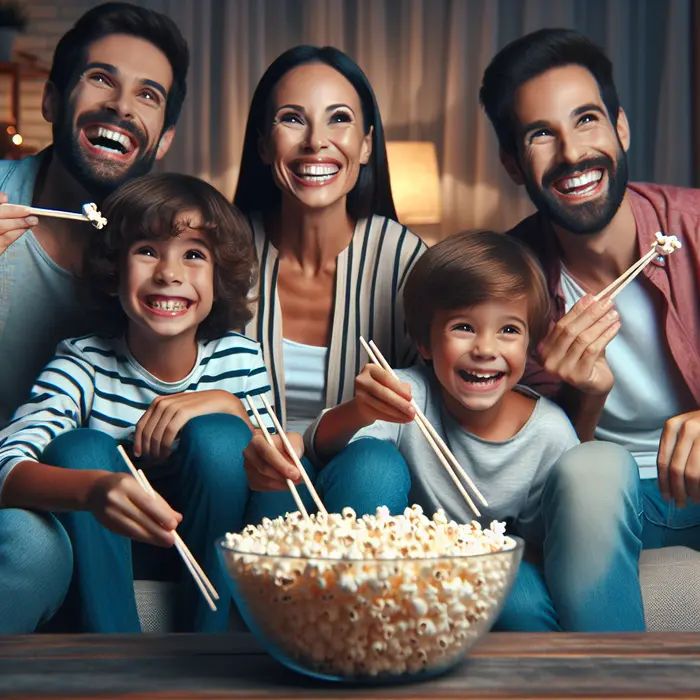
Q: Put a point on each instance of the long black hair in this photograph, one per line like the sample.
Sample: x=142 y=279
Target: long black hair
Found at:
x=257 y=191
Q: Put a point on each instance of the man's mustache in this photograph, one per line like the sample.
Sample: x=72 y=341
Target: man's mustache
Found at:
x=108 y=118
x=563 y=170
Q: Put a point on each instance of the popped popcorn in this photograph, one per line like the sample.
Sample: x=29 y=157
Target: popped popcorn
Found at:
x=371 y=595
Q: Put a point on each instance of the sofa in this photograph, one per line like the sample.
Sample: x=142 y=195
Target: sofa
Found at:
x=670 y=579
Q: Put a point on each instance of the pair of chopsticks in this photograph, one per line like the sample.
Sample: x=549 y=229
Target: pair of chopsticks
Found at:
x=664 y=245
x=443 y=452
x=205 y=585
x=292 y=454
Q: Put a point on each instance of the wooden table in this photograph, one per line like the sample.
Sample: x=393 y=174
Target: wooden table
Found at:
x=232 y=666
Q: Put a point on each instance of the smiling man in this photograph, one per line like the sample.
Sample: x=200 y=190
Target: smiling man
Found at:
x=114 y=94
x=627 y=372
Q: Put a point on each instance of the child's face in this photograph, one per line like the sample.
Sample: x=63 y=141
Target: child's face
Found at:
x=479 y=353
x=167 y=286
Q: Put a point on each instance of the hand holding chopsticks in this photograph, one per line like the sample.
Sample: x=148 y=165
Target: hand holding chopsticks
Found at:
x=442 y=451
x=204 y=584
x=290 y=452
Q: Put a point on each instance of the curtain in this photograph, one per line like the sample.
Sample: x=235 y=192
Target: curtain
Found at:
x=425 y=59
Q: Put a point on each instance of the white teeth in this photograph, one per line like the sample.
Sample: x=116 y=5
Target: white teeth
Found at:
x=483 y=375
x=317 y=169
x=590 y=177
x=169 y=305
x=119 y=139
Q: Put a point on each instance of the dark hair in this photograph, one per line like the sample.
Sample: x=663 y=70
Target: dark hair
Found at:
x=147 y=208
x=530 y=56
x=471 y=268
x=123 y=18
x=256 y=190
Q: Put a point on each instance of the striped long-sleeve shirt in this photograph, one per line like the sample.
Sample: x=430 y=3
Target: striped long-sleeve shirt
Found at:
x=368 y=301
x=95 y=382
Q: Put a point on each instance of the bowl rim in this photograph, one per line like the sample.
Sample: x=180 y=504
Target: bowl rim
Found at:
x=519 y=545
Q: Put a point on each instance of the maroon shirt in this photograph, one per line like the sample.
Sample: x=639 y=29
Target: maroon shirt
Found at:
x=673 y=211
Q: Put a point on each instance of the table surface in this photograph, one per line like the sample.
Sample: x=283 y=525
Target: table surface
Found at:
x=233 y=666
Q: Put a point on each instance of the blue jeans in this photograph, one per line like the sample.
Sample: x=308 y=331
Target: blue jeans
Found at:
x=592 y=517
x=367 y=474
x=207 y=485
x=36 y=562
x=666 y=525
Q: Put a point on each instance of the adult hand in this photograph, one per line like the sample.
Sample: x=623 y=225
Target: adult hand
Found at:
x=574 y=350
x=167 y=416
x=14 y=221
x=380 y=396
x=679 y=459
x=120 y=504
x=268 y=466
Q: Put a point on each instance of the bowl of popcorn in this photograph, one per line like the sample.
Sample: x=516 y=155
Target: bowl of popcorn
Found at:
x=370 y=599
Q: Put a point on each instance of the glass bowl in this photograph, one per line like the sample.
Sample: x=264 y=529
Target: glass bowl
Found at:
x=369 y=620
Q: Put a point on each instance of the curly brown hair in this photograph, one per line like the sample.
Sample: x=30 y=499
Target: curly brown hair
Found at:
x=147 y=208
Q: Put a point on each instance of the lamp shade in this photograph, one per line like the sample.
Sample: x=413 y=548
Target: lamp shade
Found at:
x=415 y=181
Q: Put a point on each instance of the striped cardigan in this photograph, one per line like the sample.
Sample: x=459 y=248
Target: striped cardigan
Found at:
x=370 y=276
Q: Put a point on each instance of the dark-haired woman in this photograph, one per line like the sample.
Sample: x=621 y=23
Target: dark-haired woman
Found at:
x=314 y=182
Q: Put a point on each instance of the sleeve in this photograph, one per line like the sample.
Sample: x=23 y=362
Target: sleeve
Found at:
x=60 y=400
x=405 y=351
x=257 y=385
x=381 y=430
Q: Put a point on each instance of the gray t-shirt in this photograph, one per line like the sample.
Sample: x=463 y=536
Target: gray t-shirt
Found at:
x=509 y=474
x=38 y=301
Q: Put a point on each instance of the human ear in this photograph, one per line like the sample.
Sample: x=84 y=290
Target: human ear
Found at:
x=512 y=167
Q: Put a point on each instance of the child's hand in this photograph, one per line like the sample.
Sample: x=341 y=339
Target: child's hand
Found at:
x=168 y=415
x=121 y=505
x=380 y=396
x=269 y=467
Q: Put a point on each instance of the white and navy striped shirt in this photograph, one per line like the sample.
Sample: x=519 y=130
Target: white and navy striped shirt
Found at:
x=368 y=301
x=95 y=382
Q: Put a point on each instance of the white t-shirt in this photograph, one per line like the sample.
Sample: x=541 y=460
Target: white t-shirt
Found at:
x=304 y=383
x=648 y=389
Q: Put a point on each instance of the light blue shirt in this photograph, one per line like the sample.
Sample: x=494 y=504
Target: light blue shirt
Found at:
x=38 y=300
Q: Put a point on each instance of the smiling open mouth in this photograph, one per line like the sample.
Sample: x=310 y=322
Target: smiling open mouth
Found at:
x=582 y=184
x=109 y=141
x=316 y=172
x=481 y=378
x=171 y=305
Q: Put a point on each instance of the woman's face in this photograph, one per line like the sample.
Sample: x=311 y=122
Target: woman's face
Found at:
x=315 y=140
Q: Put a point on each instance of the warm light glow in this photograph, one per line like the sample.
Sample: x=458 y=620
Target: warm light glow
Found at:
x=17 y=140
x=415 y=181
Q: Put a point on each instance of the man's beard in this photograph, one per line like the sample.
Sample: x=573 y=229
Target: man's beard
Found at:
x=584 y=218
x=98 y=178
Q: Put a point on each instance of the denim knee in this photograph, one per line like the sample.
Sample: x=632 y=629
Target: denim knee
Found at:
x=595 y=482
x=82 y=448
x=368 y=473
x=36 y=556
x=213 y=445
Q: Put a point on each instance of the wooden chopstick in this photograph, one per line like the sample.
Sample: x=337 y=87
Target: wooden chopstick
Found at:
x=435 y=434
x=627 y=276
x=429 y=433
x=266 y=433
x=194 y=568
x=293 y=455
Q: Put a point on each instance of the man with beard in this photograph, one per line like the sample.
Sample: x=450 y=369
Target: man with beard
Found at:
x=114 y=94
x=629 y=371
